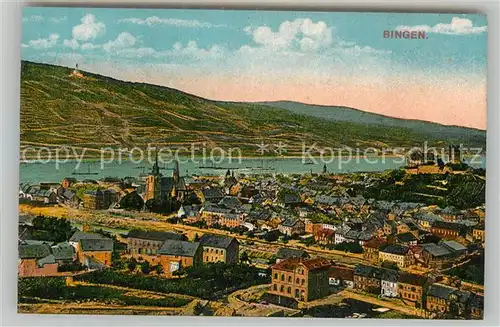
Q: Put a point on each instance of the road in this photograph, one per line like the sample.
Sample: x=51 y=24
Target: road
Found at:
x=383 y=303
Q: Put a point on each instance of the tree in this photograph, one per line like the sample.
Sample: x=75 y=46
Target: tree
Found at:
x=389 y=265
x=145 y=267
x=159 y=269
x=244 y=257
x=132 y=264
x=132 y=201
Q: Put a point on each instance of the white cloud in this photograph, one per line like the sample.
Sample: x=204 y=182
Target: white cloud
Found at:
x=44 y=43
x=303 y=34
x=33 y=18
x=192 y=50
x=123 y=40
x=90 y=46
x=73 y=44
x=155 y=20
x=89 y=29
x=458 y=26
x=57 y=20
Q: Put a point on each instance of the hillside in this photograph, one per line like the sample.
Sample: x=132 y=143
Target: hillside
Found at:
x=98 y=111
x=346 y=114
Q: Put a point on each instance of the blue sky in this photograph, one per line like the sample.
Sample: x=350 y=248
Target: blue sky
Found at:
x=158 y=45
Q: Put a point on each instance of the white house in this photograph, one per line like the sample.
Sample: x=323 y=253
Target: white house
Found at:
x=389 y=283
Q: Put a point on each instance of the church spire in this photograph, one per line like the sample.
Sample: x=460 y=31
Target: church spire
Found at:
x=156 y=167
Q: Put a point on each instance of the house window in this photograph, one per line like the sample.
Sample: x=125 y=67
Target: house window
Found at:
x=289 y=290
x=275 y=287
x=282 y=288
x=303 y=281
x=275 y=276
x=289 y=279
x=297 y=280
x=282 y=277
x=296 y=292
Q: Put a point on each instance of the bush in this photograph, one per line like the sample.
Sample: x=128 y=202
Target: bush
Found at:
x=203 y=281
x=390 y=265
x=44 y=287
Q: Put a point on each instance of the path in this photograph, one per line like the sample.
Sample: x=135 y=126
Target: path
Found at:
x=383 y=303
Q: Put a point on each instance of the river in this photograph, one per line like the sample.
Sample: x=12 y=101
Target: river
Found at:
x=51 y=172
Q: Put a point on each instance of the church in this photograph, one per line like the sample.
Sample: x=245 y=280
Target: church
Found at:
x=163 y=191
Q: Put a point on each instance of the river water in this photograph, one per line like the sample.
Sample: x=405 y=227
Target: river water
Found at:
x=52 y=172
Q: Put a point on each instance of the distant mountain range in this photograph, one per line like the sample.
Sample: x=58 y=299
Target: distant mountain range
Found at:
x=97 y=111
x=346 y=114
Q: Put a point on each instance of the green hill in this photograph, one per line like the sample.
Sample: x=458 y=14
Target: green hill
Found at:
x=98 y=111
x=346 y=114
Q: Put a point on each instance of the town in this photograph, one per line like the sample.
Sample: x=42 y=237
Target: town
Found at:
x=407 y=242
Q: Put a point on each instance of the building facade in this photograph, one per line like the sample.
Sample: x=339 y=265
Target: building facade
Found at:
x=300 y=279
x=219 y=248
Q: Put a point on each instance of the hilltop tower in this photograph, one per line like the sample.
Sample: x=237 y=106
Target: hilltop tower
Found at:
x=76 y=72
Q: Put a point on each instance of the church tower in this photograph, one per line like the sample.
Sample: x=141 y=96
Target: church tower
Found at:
x=153 y=183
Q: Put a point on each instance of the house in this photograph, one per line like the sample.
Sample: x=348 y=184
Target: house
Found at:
x=47 y=196
x=478 y=232
x=189 y=212
x=64 y=253
x=287 y=253
x=92 y=248
x=214 y=214
x=292 y=226
x=390 y=227
x=213 y=195
x=219 y=248
x=68 y=182
x=456 y=248
x=324 y=236
x=176 y=254
x=476 y=306
x=308 y=226
x=141 y=242
x=341 y=234
x=439 y=297
x=300 y=279
x=367 y=278
x=446 y=230
x=426 y=219
x=230 y=202
x=371 y=248
x=231 y=220
x=389 y=282
x=411 y=289
x=289 y=199
x=97 y=250
x=406 y=238
x=341 y=276
x=99 y=200
x=436 y=256
x=69 y=198
x=451 y=214
x=399 y=254
x=36 y=260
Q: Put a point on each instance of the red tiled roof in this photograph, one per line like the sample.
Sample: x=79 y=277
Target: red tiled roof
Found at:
x=323 y=232
x=310 y=264
x=316 y=263
x=375 y=242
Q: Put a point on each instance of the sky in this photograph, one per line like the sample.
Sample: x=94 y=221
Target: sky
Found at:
x=321 y=58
